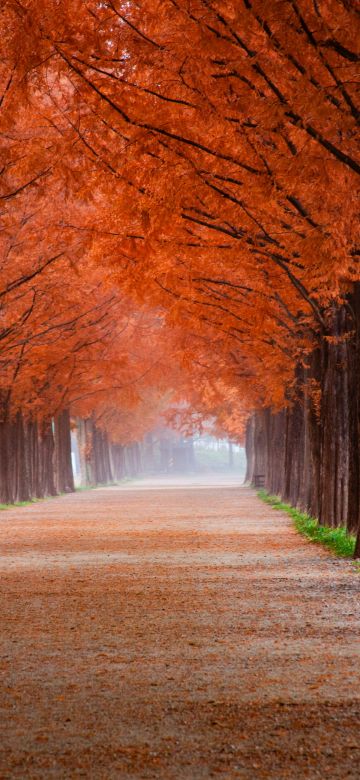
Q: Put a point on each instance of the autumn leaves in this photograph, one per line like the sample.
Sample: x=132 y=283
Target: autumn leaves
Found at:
x=196 y=159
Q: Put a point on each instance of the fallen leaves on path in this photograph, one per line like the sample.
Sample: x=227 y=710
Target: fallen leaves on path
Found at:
x=174 y=634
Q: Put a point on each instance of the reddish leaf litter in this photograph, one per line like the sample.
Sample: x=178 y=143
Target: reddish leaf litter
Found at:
x=160 y=630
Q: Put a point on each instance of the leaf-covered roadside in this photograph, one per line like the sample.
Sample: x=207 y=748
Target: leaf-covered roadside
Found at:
x=337 y=539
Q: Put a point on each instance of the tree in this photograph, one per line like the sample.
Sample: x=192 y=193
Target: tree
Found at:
x=224 y=136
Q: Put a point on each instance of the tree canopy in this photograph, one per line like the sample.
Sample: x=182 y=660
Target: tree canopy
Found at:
x=179 y=202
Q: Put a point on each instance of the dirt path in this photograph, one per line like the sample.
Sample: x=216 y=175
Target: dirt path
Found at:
x=174 y=634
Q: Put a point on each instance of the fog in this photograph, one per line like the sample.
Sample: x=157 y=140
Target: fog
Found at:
x=166 y=458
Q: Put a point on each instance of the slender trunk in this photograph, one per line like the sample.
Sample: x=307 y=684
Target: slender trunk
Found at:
x=250 y=449
x=22 y=487
x=64 y=479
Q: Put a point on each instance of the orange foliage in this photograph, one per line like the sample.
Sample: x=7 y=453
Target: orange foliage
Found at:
x=194 y=161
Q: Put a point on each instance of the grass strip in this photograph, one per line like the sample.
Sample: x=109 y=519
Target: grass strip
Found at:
x=25 y=503
x=336 y=539
x=79 y=488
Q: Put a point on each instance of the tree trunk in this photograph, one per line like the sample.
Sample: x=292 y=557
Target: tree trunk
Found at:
x=64 y=479
x=311 y=450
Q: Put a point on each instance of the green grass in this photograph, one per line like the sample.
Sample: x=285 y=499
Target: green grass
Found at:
x=336 y=539
x=23 y=503
x=77 y=489
x=29 y=502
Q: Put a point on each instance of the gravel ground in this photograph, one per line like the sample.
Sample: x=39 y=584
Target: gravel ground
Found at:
x=175 y=632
